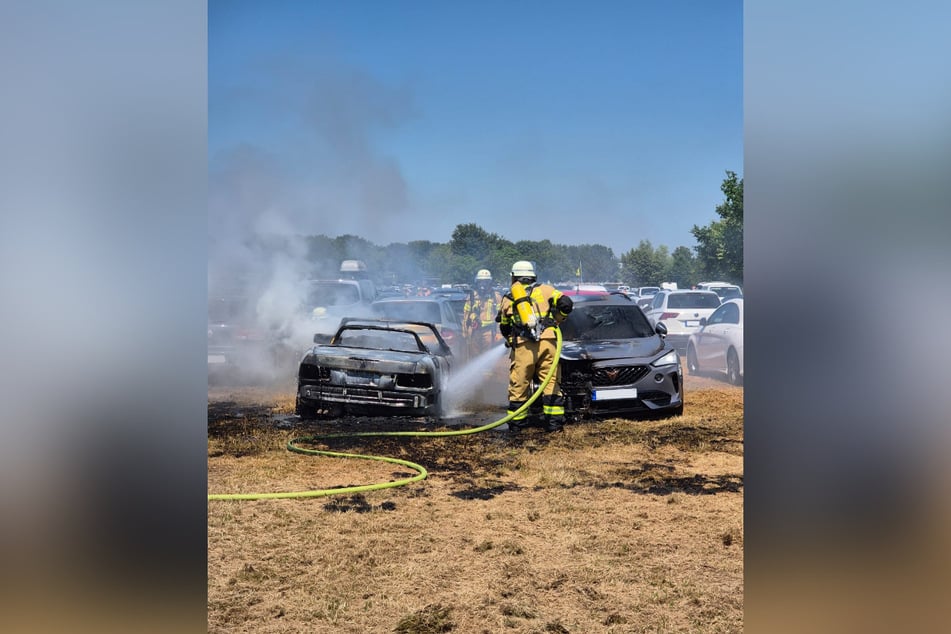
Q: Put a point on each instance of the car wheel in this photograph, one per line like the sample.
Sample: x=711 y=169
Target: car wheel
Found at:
x=733 y=367
x=692 y=360
x=305 y=411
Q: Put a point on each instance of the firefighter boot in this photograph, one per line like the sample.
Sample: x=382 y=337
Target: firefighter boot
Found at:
x=553 y=424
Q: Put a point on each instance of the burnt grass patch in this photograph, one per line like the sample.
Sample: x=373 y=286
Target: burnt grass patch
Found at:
x=477 y=492
x=356 y=504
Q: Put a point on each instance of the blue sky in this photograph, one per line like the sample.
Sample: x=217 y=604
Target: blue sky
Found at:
x=580 y=123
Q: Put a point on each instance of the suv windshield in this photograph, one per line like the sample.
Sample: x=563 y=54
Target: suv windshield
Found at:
x=410 y=311
x=728 y=292
x=693 y=300
x=592 y=322
x=333 y=294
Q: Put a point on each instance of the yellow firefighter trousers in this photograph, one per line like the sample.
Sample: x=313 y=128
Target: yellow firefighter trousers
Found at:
x=481 y=339
x=532 y=359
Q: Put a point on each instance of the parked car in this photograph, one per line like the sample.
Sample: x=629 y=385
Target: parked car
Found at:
x=433 y=309
x=718 y=345
x=457 y=300
x=576 y=290
x=238 y=347
x=376 y=366
x=614 y=363
x=326 y=302
x=643 y=295
x=723 y=290
x=681 y=311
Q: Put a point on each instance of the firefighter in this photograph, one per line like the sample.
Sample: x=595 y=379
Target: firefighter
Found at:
x=478 y=315
x=527 y=318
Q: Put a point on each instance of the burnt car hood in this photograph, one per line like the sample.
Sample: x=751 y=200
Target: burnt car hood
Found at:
x=611 y=349
x=344 y=357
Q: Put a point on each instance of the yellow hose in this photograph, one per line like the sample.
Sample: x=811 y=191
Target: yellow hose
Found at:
x=421 y=471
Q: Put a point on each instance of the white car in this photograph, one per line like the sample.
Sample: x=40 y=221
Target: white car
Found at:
x=718 y=345
x=724 y=289
x=681 y=311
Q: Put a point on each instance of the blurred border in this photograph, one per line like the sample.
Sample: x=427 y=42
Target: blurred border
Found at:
x=103 y=250
x=847 y=247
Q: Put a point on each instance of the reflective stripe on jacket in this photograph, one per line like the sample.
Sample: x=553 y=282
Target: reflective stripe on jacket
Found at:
x=482 y=308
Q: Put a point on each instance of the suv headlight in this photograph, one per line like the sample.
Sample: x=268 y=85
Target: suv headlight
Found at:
x=671 y=358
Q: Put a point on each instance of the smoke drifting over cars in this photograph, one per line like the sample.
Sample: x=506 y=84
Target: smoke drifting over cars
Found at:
x=327 y=179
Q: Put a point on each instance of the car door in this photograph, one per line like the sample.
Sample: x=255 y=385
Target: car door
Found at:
x=714 y=340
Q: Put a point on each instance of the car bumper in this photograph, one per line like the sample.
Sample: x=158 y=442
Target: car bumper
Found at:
x=315 y=395
x=657 y=391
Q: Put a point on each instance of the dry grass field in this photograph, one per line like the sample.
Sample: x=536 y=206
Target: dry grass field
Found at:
x=610 y=526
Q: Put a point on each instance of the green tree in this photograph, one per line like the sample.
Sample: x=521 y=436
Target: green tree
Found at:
x=642 y=266
x=682 y=268
x=720 y=244
x=662 y=263
x=598 y=263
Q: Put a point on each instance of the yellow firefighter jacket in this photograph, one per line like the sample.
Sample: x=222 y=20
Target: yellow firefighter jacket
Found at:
x=548 y=303
x=480 y=310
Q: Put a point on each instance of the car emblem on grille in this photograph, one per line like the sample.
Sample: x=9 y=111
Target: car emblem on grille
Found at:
x=612 y=373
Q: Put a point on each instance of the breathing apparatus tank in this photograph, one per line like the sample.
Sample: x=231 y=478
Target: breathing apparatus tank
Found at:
x=526 y=313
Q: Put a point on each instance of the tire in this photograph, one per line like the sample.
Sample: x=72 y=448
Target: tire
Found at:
x=733 y=367
x=692 y=365
x=305 y=410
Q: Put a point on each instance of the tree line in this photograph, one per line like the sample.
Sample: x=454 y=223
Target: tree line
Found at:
x=717 y=255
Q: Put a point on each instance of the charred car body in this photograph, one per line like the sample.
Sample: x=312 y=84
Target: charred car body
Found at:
x=375 y=365
x=614 y=364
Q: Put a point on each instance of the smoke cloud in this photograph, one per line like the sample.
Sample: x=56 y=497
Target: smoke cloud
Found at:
x=273 y=183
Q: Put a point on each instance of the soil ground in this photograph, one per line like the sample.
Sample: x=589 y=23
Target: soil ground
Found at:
x=609 y=526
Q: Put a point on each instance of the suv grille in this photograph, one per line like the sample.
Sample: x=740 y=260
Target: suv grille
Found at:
x=621 y=375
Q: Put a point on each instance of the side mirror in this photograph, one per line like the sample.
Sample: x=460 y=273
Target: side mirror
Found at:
x=660 y=329
x=322 y=338
x=703 y=322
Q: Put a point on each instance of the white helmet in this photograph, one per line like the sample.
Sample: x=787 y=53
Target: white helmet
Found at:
x=483 y=274
x=523 y=268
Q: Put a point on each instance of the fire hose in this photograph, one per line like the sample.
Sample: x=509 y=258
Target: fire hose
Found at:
x=421 y=473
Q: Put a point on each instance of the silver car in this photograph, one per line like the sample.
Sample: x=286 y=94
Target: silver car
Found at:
x=718 y=345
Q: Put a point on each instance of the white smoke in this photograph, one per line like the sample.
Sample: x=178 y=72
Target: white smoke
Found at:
x=327 y=178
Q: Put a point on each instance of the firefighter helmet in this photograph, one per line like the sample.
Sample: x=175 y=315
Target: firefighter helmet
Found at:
x=483 y=275
x=523 y=268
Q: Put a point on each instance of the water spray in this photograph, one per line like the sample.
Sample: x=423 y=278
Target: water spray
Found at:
x=470 y=379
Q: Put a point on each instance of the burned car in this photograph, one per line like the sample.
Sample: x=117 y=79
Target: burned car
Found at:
x=375 y=366
x=614 y=364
